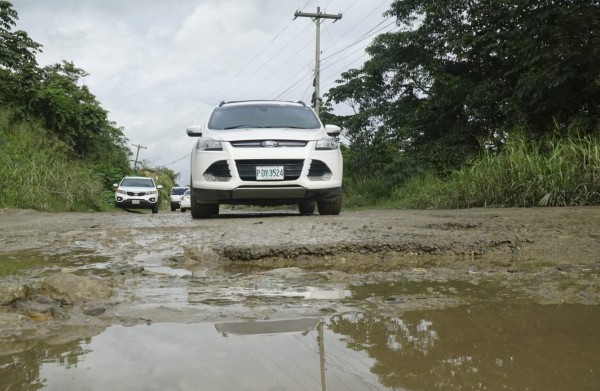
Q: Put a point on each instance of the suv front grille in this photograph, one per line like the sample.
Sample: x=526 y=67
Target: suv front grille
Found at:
x=258 y=143
x=291 y=168
x=136 y=193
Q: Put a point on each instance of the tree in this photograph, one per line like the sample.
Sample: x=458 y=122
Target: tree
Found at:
x=458 y=72
x=16 y=48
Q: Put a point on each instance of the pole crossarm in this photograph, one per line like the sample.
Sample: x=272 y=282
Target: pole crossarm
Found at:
x=319 y=15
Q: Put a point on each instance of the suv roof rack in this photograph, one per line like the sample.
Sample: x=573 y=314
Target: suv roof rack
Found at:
x=259 y=100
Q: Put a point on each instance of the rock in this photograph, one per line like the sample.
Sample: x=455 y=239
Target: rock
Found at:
x=73 y=289
x=11 y=291
x=94 y=311
x=59 y=313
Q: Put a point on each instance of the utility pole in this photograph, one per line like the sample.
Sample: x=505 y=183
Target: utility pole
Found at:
x=137 y=154
x=317 y=19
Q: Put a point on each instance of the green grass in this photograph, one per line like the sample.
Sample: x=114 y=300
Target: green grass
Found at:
x=553 y=171
x=38 y=172
x=367 y=192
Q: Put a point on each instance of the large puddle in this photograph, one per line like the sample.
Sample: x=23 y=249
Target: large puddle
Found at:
x=416 y=331
x=482 y=347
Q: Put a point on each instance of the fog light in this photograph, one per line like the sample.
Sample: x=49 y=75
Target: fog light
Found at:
x=325 y=177
x=152 y=200
x=119 y=199
x=211 y=178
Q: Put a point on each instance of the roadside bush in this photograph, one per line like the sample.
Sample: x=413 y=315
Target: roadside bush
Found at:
x=37 y=172
x=552 y=171
x=364 y=191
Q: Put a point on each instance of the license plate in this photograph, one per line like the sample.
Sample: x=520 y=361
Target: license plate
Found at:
x=269 y=173
x=135 y=202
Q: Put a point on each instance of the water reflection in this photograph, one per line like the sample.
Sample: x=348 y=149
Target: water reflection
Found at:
x=491 y=346
x=480 y=347
x=22 y=359
x=198 y=357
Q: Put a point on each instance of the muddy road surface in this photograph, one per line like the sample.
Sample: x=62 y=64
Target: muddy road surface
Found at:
x=480 y=299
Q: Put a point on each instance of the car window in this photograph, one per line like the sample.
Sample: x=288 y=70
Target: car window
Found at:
x=263 y=116
x=178 y=190
x=137 y=182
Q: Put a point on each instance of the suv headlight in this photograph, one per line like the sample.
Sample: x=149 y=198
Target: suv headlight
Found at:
x=327 y=143
x=121 y=191
x=209 y=145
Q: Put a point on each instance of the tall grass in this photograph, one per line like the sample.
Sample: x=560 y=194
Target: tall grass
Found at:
x=37 y=171
x=364 y=192
x=553 y=171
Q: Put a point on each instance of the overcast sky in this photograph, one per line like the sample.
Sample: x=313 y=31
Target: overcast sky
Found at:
x=158 y=66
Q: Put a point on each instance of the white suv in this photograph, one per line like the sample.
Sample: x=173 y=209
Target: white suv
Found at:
x=135 y=192
x=265 y=153
x=176 y=196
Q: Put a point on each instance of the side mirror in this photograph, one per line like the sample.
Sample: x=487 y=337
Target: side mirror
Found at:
x=333 y=130
x=159 y=186
x=115 y=185
x=194 y=131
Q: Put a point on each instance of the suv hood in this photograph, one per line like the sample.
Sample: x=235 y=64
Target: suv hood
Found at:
x=265 y=134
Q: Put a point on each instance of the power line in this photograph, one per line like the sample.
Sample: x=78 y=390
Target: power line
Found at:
x=362 y=38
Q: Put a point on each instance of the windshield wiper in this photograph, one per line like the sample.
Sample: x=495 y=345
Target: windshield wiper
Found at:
x=285 y=126
x=243 y=126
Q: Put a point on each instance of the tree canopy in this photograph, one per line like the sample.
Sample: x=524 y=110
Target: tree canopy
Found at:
x=459 y=74
x=55 y=97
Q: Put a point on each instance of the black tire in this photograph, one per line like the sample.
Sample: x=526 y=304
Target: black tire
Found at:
x=307 y=207
x=173 y=209
x=330 y=207
x=183 y=209
x=155 y=209
x=202 y=211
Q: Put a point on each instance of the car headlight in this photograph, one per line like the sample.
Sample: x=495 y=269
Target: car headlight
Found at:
x=209 y=145
x=327 y=143
x=152 y=192
x=121 y=191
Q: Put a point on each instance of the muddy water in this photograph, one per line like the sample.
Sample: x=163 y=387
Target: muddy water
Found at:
x=389 y=300
x=492 y=345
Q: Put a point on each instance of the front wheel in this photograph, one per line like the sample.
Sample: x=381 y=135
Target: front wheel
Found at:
x=203 y=211
x=330 y=207
x=307 y=207
x=155 y=209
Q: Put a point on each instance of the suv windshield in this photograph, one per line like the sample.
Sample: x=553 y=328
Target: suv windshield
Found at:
x=137 y=182
x=178 y=190
x=263 y=116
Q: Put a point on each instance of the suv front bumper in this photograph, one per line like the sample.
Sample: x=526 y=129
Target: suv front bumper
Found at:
x=135 y=204
x=267 y=196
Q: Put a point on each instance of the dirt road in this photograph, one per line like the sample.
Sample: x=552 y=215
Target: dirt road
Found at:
x=133 y=252
x=68 y=277
x=553 y=235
